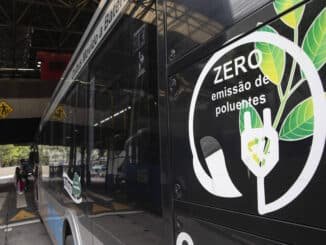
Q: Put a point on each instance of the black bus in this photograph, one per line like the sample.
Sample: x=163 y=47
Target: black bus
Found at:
x=189 y=122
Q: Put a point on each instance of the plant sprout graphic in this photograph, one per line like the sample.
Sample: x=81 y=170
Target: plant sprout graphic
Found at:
x=260 y=140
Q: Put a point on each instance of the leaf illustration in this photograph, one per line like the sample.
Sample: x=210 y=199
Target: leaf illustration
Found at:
x=273 y=59
x=293 y=18
x=299 y=123
x=256 y=121
x=314 y=43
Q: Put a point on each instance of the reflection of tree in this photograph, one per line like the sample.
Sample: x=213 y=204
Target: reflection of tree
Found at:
x=11 y=154
x=53 y=154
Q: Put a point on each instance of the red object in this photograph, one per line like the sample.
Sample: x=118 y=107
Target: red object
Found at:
x=52 y=64
x=20 y=185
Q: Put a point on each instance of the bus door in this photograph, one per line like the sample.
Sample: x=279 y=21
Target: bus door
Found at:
x=247 y=121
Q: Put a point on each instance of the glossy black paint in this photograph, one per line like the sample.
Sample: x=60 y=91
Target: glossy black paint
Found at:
x=301 y=222
x=227 y=35
x=193 y=23
x=183 y=47
x=163 y=114
x=207 y=233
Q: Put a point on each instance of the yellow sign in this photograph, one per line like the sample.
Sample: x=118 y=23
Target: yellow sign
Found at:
x=5 y=109
x=59 y=113
x=22 y=215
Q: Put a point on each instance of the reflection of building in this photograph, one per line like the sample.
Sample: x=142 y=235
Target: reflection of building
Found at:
x=56 y=158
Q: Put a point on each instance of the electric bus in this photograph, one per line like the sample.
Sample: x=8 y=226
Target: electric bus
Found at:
x=189 y=122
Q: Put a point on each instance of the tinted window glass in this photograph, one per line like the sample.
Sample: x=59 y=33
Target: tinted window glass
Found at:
x=125 y=167
x=190 y=23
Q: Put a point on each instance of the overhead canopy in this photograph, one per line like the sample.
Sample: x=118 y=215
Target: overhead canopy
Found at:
x=22 y=103
x=27 y=29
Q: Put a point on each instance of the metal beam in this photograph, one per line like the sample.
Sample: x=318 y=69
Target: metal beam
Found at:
x=62 y=5
x=51 y=23
x=22 y=15
x=75 y=16
x=82 y=3
x=4 y=12
x=62 y=42
x=54 y=14
x=40 y=28
x=65 y=33
x=14 y=33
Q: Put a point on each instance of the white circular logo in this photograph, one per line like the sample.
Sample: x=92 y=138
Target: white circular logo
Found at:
x=184 y=239
x=220 y=183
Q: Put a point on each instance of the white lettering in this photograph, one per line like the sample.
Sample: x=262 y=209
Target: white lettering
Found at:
x=239 y=63
x=227 y=69
x=258 y=58
x=218 y=72
x=233 y=68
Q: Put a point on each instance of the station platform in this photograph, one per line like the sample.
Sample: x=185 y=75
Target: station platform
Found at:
x=19 y=220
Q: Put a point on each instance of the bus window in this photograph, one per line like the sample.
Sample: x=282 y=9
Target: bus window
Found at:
x=125 y=169
x=193 y=23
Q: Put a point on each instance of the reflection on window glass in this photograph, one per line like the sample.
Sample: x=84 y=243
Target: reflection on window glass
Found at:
x=63 y=143
x=191 y=23
x=54 y=158
x=124 y=157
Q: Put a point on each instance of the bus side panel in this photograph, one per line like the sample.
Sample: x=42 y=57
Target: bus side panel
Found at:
x=62 y=189
x=50 y=211
x=214 y=234
x=192 y=24
x=243 y=139
x=53 y=220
